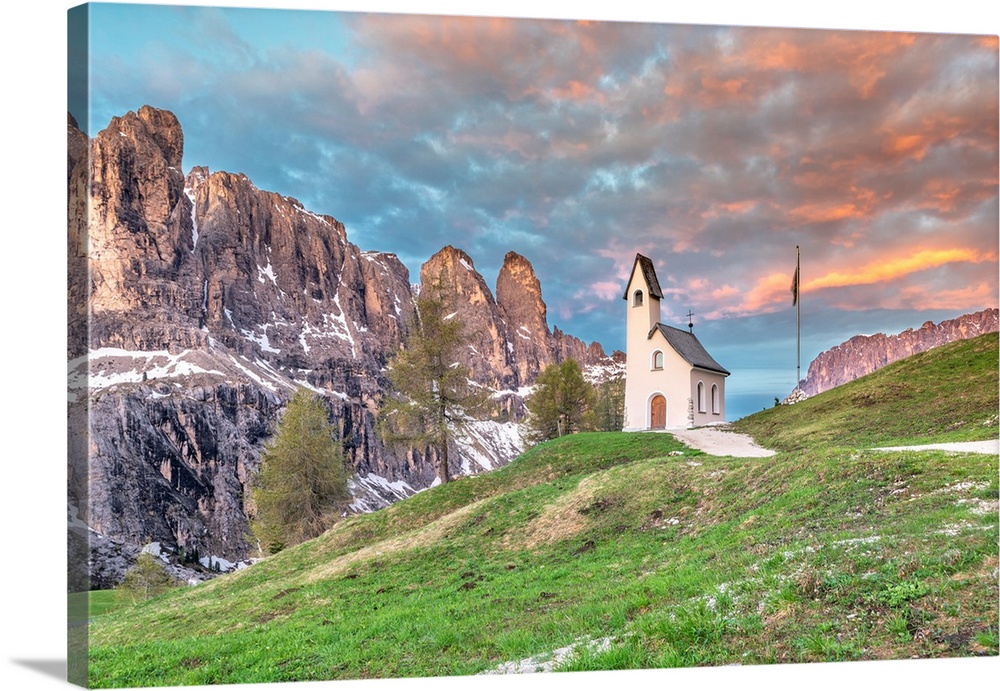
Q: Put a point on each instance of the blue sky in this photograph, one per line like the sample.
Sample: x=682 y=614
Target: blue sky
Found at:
x=715 y=150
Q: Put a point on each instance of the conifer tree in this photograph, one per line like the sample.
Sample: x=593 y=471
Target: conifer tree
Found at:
x=562 y=402
x=609 y=405
x=431 y=395
x=303 y=481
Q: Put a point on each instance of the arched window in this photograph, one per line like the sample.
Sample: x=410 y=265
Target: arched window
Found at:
x=637 y=298
x=658 y=359
x=715 y=399
x=701 y=397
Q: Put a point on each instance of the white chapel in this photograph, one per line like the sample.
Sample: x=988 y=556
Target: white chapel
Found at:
x=670 y=379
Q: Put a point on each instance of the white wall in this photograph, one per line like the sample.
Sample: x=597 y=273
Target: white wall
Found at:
x=708 y=417
x=642 y=383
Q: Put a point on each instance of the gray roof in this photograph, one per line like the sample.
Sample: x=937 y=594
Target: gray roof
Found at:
x=689 y=347
x=649 y=274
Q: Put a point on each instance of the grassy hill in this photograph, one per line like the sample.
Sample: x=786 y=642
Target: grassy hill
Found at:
x=945 y=394
x=614 y=551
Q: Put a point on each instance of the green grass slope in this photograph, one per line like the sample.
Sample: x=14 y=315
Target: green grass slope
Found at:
x=629 y=550
x=945 y=394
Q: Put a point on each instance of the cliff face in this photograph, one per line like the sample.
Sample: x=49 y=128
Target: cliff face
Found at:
x=489 y=354
x=519 y=298
x=509 y=338
x=208 y=302
x=863 y=355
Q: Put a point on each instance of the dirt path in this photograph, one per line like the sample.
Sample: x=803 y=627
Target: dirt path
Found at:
x=721 y=442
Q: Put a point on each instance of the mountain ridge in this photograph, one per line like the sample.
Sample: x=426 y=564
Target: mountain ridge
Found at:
x=864 y=354
x=199 y=302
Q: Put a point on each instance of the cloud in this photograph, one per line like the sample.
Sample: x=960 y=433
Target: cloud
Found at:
x=887 y=269
x=767 y=294
x=959 y=299
x=712 y=150
x=602 y=290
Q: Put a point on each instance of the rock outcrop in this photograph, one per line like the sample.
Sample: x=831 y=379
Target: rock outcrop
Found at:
x=489 y=355
x=199 y=303
x=863 y=355
x=519 y=298
x=509 y=340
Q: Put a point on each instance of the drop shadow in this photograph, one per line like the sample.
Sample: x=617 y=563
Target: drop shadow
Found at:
x=50 y=668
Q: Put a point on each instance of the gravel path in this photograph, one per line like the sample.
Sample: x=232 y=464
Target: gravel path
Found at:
x=992 y=447
x=720 y=442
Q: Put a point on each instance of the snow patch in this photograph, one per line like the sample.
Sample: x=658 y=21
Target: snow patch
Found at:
x=267 y=271
x=155 y=549
x=213 y=562
x=850 y=542
x=487 y=444
x=338 y=324
x=110 y=366
x=550 y=661
x=607 y=371
x=323 y=392
x=319 y=218
x=189 y=193
x=262 y=340
x=270 y=385
x=372 y=492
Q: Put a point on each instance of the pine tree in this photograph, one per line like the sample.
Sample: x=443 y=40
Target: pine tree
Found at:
x=431 y=395
x=562 y=402
x=609 y=405
x=303 y=481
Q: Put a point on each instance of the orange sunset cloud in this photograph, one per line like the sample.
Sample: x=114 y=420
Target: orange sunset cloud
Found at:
x=823 y=213
x=773 y=290
x=766 y=293
x=888 y=269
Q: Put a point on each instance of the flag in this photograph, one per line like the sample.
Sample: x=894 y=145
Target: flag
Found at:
x=795 y=286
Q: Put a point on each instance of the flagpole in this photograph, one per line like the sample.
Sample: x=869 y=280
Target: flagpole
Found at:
x=798 y=323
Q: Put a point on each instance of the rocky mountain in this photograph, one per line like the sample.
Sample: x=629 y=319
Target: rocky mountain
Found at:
x=863 y=355
x=489 y=354
x=519 y=298
x=199 y=303
x=509 y=338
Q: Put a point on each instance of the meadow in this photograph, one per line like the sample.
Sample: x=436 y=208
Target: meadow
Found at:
x=602 y=551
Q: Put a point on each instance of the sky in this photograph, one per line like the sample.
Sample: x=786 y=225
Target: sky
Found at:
x=713 y=149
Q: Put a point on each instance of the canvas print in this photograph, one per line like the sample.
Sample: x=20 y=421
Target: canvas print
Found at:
x=410 y=345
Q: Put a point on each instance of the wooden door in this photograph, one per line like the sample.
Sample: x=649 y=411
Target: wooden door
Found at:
x=658 y=412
